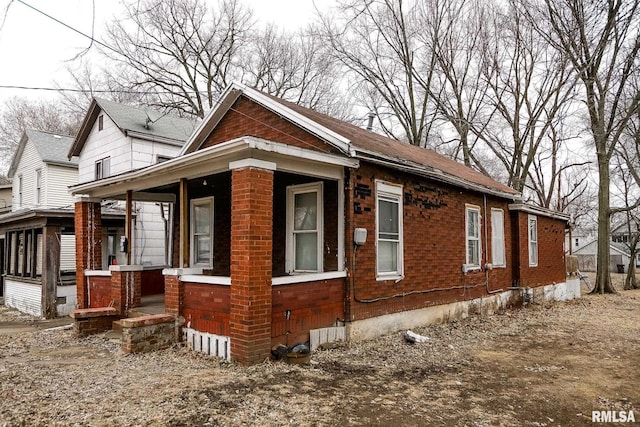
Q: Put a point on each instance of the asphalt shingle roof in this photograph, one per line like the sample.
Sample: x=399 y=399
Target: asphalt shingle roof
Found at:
x=52 y=148
x=129 y=118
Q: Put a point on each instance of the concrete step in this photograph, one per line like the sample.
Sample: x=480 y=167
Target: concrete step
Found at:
x=117 y=326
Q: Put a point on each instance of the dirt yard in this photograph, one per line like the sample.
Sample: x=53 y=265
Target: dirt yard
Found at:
x=542 y=365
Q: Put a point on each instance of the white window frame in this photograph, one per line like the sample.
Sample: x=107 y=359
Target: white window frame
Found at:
x=105 y=168
x=497 y=238
x=290 y=252
x=194 y=203
x=393 y=193
x=533 y=241
x=468 y=238
x=38 y=186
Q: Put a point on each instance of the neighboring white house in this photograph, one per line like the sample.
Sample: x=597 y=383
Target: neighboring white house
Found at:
x=116 y=138
x=39 y=244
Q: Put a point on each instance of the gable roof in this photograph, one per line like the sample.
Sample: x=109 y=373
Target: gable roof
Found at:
x=50 y=147
x=353 y=141
x=141 y=123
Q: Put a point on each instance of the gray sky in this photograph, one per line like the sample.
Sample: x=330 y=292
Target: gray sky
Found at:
x=35 y=49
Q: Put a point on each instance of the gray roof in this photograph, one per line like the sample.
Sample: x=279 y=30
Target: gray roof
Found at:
x=129 y=118
x=51 y=148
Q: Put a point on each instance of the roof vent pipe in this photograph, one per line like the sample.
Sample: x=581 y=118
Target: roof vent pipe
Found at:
x=370 y=122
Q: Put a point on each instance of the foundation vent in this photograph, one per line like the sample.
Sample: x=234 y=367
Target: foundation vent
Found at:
x=210 y=344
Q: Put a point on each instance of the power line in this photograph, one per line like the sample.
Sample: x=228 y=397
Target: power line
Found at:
x=93 y=40
x=53 y=89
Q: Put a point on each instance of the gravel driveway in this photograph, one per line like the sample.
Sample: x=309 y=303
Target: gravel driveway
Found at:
x=542 y=365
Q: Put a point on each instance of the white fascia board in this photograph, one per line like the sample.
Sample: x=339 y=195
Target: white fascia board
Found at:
x=433 y=173
x=190 y=165
x=302 y=153
x=537 y=210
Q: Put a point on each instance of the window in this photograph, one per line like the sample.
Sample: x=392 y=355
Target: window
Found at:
x=304 y=228
x=389 y=262
x=533 y=241
x=102 y=168
x=38 y=186
x=497 y=238
x=202 y=232
x=474 y=245
x=100 y=122
x=19 y=191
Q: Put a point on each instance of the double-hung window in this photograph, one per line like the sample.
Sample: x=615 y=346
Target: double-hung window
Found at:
x=497 y=238
x=202 y=232
x=103 y=168
x=533 y=241
x=305 y=220
x=389 y=245
x=474 y=243
x=38 y=186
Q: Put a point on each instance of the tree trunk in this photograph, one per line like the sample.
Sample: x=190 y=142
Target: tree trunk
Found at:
x=603 y=274
x=630 y=282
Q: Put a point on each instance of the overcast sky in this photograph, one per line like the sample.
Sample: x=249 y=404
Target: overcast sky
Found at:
x=34 y=49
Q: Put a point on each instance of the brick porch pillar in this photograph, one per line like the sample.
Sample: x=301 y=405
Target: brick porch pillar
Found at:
x=251 y=259
x=126 y=287
x=88 y=229
x=174 y=289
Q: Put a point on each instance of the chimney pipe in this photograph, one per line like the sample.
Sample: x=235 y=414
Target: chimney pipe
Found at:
x=370 y=122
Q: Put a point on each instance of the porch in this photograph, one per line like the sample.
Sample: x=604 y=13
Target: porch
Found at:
x=257 y=243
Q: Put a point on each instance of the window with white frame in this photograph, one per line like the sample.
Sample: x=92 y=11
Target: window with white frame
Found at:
x=202 y=232
x=474 y=244
x=38 y=186
x=497 y=238
x=533 y=241
x=102 y=168
x=389 y=243
x=305 y=222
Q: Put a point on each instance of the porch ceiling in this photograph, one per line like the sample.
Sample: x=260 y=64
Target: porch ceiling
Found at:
x=214 y=160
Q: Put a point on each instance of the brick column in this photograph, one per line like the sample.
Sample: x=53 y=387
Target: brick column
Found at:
x=251 y=260
x=88 y=229
x=126 y=286
x=174 y=289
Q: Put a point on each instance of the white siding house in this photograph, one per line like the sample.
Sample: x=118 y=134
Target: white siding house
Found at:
x=115 y=139
x=35 y=232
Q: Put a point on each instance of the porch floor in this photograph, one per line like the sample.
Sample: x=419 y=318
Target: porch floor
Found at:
x=150 y=304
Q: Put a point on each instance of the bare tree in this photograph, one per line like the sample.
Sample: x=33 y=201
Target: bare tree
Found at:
x=601 y=39
x=390 y=67
x=181 y=52
x=18 y=114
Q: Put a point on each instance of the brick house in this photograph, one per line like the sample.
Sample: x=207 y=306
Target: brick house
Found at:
x=291 y=225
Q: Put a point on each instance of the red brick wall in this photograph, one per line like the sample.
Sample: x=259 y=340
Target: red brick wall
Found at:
x=313 y=305
x=434 y=244
x=173 y=295
x=551 y=264
x=250 y=119
x=251 y=258
x=207 y=307
x=88 y=229
x=152 y=282
x=125 y=290
x=99 y=291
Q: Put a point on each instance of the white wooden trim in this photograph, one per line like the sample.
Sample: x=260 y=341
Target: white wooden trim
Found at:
x=309 y=277
x=97 y=273
x=181 y=271
x=341 y=225
x=210 y=280
x=533 y=218
x=250 y=162
x=500 y=213
x=470 y=266
x=126 y=268
x=391 y=191
x=292 y=190
x=192 y=223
